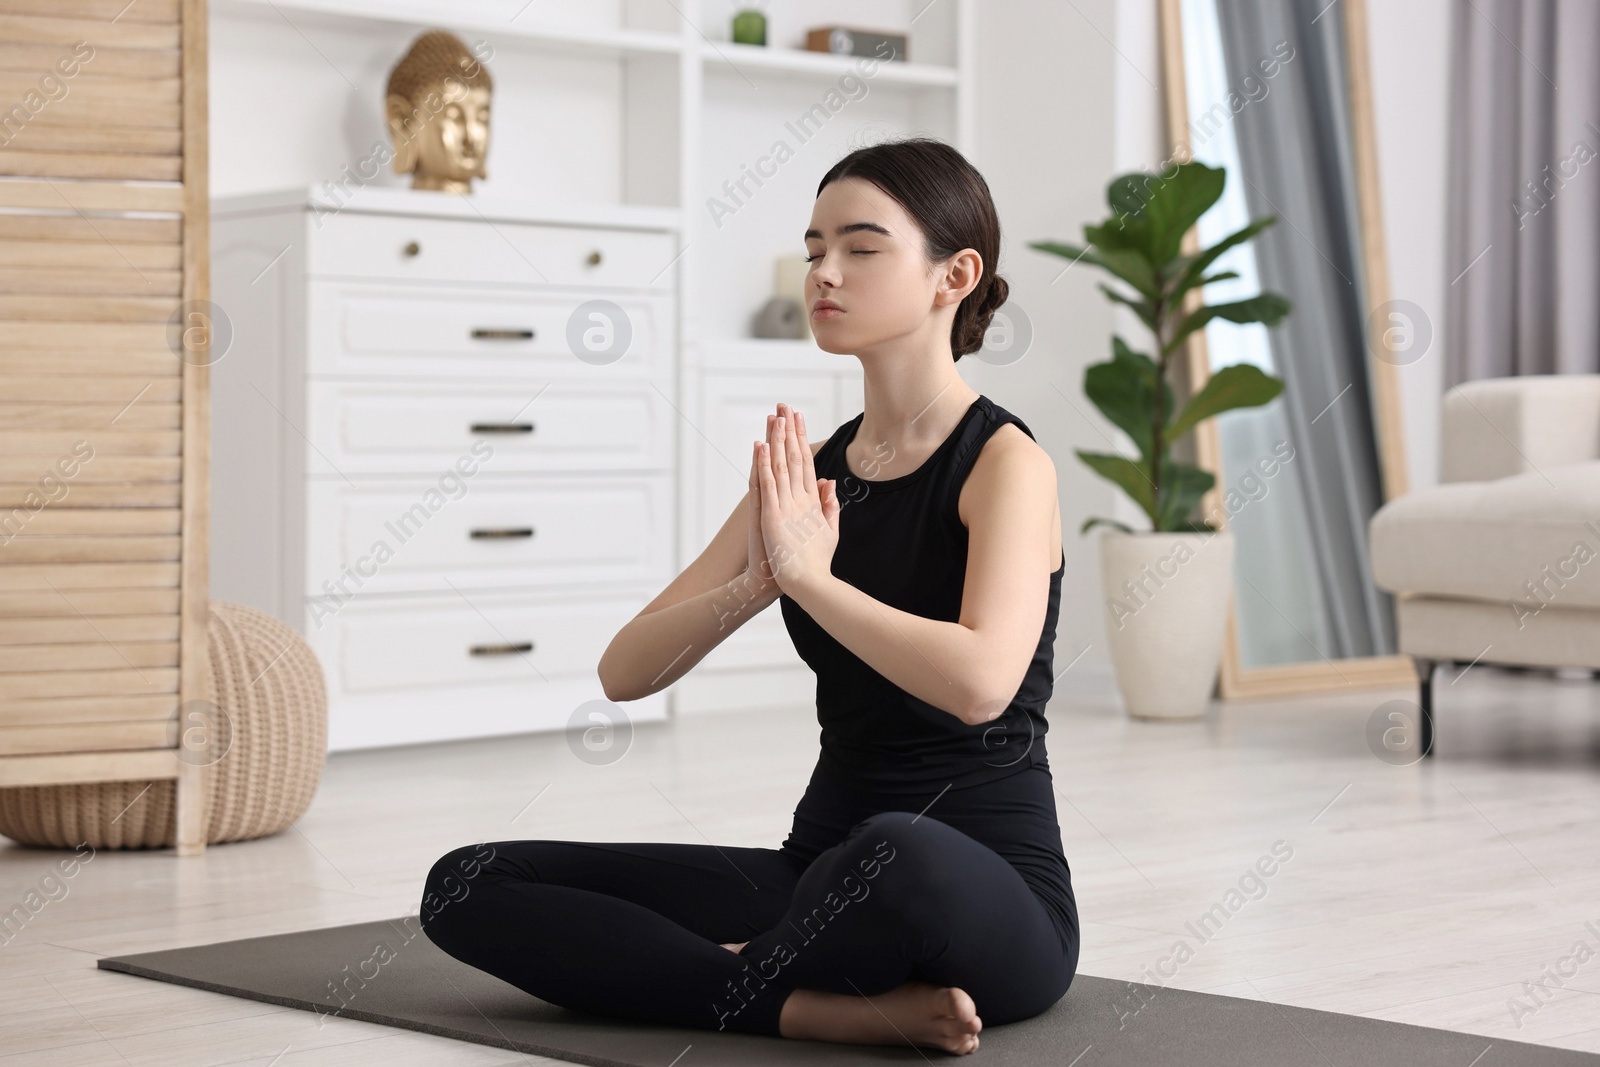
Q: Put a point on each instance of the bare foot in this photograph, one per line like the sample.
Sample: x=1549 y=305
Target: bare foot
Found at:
x=936 y=1016
x=734 y=948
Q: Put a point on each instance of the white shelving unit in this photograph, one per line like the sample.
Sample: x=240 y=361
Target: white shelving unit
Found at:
x=694 y=125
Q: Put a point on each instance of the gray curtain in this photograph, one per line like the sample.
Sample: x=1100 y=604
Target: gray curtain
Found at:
x=1296 y=162
x=1523 y=219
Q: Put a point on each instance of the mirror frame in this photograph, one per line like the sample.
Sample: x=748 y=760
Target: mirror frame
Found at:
x=1235 y=680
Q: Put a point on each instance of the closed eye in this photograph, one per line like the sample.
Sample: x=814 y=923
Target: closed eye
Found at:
x=856 y=252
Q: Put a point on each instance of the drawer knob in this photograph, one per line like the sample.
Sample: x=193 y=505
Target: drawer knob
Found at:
x=503 y=531
x=484 y=333
x=412 y=249
x=501 y=650
x=502 y=427
x=594 y=258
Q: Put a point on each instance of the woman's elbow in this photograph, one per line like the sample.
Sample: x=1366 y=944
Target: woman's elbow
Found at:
x=612 y=694
x=988 y=704
x=619 y=693
x=610 y=684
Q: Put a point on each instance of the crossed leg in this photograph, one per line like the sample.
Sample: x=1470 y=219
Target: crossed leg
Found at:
x=902 y=932
x=910 y=930
x=630 y=929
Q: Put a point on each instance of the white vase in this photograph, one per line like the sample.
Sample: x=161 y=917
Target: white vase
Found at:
x=1166 y=603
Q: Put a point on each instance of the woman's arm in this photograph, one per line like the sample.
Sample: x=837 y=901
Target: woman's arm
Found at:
x=971 y=668
x=713 y=597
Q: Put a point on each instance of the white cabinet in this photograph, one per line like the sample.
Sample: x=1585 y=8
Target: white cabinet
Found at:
x=445 y=451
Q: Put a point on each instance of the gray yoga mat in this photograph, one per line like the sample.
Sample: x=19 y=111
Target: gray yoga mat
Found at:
x=392 y=974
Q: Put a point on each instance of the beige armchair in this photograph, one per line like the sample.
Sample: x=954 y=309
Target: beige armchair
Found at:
x=1500 y=562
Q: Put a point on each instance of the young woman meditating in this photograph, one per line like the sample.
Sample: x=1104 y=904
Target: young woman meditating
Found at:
x=916 y=558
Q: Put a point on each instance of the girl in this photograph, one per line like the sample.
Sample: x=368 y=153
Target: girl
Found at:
x=922 y=889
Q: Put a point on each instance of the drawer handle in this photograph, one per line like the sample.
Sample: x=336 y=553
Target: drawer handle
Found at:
x=412 y=249
x=485 y=334
x=594 y=258
x=502 y=427
x=502 y=650
x=503 y=531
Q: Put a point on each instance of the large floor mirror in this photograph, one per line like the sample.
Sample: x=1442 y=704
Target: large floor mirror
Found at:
x=1277 y=92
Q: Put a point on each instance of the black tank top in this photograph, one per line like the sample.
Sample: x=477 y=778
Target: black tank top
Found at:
x=902 y=542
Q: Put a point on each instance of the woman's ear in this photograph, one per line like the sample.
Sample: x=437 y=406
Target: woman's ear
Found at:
x=397 y=113
x=961 y=276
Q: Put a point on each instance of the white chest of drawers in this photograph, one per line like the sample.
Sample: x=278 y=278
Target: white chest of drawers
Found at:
x=444 y=449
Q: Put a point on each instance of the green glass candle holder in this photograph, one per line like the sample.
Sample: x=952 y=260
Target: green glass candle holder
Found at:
x=750 y=27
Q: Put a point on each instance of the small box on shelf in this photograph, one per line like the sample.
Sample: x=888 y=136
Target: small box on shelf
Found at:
x=847 y=41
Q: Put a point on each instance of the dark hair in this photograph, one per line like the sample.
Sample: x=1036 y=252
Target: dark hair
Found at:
x=951 y=203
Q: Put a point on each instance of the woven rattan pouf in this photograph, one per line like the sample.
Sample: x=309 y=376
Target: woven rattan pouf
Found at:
x=266 y=742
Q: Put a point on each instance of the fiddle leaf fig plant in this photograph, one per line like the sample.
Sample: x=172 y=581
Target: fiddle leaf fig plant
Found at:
x=1139 y=244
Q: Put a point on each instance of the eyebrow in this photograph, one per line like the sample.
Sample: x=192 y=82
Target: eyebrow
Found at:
x=851 y=227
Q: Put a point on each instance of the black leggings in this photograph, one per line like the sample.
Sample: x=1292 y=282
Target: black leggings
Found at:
x=635 y=929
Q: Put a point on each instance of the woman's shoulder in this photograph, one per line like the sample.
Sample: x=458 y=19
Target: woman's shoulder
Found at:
x=1007 y=459
x=1007 y=441
x=1010 y=452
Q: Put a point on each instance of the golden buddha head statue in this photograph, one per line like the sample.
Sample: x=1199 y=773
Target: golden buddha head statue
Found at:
x=437 y=108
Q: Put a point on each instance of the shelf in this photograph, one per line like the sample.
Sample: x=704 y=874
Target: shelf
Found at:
x=593 y=41
x=801 y=63
x=393 y=201
x=597 y=41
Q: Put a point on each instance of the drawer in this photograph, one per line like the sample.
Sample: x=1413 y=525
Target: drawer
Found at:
x=402 y=670
x=469 y=333
x=353 y=245
x=486 y=640
x=486 y=531
x=415 y=427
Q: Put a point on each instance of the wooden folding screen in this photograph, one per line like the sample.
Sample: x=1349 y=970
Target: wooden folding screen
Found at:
x=104 y=425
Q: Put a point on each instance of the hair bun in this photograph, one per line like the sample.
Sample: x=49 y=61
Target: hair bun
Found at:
x=971 y=329
x=998 y=292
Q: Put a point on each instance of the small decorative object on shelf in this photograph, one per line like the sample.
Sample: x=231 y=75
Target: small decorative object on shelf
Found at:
x=789 y=283
x=845 y=41
x=750 y=27
x=781 y=317
x=437 y=108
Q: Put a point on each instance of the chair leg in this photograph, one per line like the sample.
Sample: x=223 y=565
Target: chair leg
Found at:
x=1425 y=675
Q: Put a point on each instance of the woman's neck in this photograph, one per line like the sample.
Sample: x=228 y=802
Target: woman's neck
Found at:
x=909 y=413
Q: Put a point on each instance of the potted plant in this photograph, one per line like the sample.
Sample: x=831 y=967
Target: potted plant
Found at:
x=1167 y=589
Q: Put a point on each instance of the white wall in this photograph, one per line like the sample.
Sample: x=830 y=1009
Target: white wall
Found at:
x=1045 y=146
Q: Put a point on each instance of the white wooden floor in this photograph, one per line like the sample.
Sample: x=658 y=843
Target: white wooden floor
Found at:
x=1427 y=893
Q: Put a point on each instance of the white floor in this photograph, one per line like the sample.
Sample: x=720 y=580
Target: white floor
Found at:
x=1427 y=893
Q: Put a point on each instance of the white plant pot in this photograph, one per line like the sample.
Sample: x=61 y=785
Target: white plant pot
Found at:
x=1166 y=597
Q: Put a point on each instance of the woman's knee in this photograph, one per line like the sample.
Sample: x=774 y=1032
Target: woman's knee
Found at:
x=452 y=880
x=1032 y=990
x=905 y=847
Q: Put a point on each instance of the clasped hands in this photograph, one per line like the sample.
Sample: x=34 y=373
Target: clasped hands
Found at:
x=794 y=516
